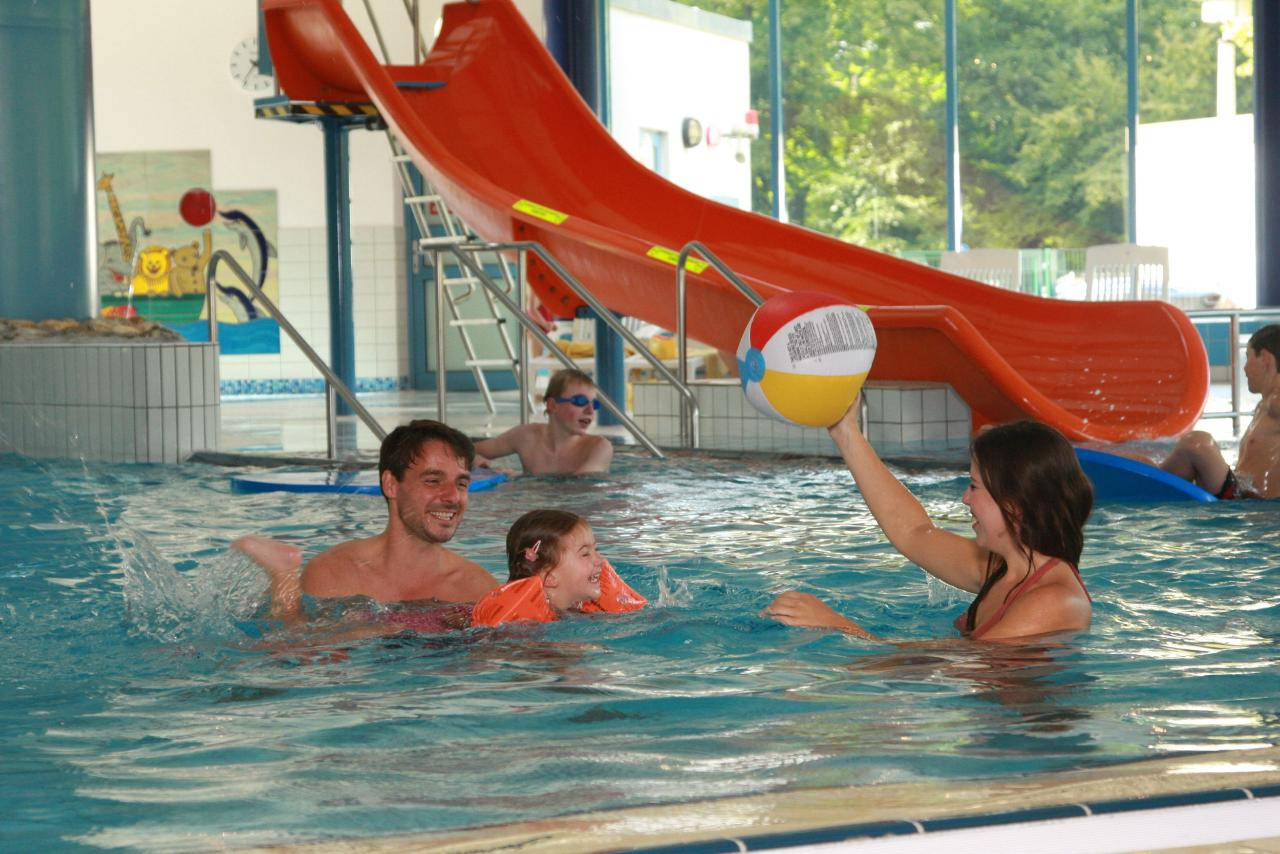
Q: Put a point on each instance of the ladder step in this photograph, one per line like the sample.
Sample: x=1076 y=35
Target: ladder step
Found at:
x=488 y=363
x=479 y=321
x=420 y=200
x=401 y=158
x=446 y=240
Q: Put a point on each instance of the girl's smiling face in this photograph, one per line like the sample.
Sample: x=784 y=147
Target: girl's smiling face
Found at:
x=576 y=576
x=988 y=522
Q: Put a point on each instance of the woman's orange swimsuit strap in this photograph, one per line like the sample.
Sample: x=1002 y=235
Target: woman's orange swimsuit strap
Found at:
x=526 y=600
x=1031 y=579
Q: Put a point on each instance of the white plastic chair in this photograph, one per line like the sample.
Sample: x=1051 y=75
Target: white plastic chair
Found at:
x=999 y=267
x=1119 y=271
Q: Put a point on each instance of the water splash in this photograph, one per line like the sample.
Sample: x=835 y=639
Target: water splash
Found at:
x=672 y=593
x=210 y=602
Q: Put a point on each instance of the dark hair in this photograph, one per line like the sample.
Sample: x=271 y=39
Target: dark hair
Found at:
x=403 y=444
x=1035 y=478
x=540 y=529
x=561 y=378
x=1267 y=338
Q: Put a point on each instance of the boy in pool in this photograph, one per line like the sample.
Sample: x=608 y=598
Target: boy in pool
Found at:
x=1197 y=457
x=561 y=446
x=553 y=568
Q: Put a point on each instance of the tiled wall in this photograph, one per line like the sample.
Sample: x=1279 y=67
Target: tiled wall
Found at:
x=116 y=401
x=380 y=312
x=917 y=417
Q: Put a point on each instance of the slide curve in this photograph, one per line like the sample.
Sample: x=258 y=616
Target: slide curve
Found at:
x=496 y=126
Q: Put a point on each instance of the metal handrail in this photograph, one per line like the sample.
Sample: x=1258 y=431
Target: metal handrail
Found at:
x=619 y=412
x=689 y=419
x=1232 y=316
x=332 y=382
x=463 y=252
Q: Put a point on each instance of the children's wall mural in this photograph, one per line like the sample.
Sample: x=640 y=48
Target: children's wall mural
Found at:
x=164 y=237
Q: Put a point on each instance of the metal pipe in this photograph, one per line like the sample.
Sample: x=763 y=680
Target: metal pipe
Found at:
x=331 y=420
x=689 y=420
x=462 y=253
x=441 y=374
x=337 y=384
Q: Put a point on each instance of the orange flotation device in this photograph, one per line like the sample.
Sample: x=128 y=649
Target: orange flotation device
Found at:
x=526 y=600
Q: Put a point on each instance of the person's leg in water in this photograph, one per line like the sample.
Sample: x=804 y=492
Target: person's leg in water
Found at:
x=1198 y=459
x=281 y=562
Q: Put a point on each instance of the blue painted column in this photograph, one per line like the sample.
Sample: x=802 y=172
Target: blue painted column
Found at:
x=578 y=37
x=1266 y=138
x=48 y=232
x=337 y=209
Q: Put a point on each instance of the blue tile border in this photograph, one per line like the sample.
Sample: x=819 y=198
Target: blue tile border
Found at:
x=309 y=385
x=873 y=829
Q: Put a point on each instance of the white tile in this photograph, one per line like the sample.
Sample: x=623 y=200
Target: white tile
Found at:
x=912 y=434
x=140 y=422
x=184 y=438
x=154 y=443
x=170 y=435
x=956 y=407
x=891 y=405
x=935 y=404
x=934 y=431
x=912 y=406
x=182 y=375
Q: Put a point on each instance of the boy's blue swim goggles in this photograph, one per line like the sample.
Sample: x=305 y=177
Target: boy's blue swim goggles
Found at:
x=579 y=400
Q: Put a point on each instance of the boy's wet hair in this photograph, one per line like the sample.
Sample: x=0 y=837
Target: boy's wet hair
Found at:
x=542 y=531
x=561 y=378
x=403 y=445
x=1267 y=339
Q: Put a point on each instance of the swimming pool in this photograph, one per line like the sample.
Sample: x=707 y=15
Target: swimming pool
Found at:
x=139 y=711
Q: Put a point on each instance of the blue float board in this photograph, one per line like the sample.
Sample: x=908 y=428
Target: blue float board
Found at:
x=1121 y=479
x=361 y=482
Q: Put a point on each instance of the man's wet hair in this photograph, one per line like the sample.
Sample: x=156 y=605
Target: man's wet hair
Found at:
x=1267 y=338
x=403 y=445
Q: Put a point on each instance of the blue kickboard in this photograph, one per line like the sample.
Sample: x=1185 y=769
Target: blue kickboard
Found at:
x=1117 y=478
x=360 y=482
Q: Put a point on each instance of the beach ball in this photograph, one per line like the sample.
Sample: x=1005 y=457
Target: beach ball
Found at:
x=804 y=357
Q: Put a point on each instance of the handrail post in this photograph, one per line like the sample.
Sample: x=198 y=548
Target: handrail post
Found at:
x=1234 y=324
x=689 y=426
x=441 y=326
x=331 y=419
x=526 y=346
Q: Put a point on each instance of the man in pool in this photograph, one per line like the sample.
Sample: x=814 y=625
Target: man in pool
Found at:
x=425 y=470
x=561 y=446
x=1197 y=457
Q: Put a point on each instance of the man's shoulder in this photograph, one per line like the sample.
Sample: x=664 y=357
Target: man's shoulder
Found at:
x=334 y=572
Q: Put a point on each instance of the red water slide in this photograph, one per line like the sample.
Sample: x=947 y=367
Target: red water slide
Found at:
x=495 y=125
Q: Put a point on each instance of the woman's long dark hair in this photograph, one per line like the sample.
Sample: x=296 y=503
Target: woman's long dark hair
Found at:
x=1034 y=476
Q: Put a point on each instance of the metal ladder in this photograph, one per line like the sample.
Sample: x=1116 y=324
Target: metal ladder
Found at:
x=428 y=208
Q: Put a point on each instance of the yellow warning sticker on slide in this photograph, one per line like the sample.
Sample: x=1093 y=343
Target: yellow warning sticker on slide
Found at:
x=672 y=257
x=542 y=212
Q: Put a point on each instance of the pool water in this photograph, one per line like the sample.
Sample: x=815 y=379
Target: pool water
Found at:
x=143 y=709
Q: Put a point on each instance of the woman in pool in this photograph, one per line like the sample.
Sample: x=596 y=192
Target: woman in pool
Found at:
x=554 y=568
x=1029 y=500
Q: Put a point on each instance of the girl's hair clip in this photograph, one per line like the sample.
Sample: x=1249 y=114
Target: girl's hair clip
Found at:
x=531 y=553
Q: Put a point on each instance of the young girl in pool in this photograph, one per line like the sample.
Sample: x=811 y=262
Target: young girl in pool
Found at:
x=1029 y=500
x=554 y=568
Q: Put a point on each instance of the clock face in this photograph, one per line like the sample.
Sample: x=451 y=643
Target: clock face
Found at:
x=244 y=68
